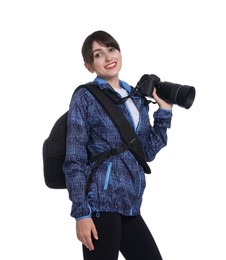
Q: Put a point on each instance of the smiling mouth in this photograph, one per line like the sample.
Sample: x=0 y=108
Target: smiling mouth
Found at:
x=111 y=65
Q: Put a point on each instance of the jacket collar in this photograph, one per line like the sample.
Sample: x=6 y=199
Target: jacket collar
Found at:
x=104 y=84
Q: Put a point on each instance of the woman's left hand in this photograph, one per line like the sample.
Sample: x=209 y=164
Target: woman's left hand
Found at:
x=161 y=102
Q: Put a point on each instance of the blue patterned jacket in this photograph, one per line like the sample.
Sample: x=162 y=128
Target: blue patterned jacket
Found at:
x=119 y=182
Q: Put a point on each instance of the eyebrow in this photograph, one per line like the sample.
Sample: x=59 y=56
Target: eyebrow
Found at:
x=97 y=50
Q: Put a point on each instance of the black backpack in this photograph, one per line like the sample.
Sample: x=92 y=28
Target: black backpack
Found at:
x=54 y=147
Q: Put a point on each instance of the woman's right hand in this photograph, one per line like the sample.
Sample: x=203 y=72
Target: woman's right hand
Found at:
x=84 y=229
x=161 y=102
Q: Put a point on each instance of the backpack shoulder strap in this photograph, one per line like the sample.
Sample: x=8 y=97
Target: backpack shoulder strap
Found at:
x=128 y=134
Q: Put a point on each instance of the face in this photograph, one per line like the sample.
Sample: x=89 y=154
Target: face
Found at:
x=107 y=61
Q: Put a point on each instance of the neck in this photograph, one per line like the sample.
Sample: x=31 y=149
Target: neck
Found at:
x=114 y=82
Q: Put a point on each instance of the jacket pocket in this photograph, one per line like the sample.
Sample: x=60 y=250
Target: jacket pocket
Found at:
x=107 y=177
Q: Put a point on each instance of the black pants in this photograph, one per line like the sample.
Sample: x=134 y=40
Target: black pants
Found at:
x=129 y=235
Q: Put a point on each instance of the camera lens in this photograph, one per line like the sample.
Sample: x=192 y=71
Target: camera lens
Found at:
x=185 y=96
x=180 y=95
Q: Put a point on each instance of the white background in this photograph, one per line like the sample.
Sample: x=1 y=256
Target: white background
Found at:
x=40 y=66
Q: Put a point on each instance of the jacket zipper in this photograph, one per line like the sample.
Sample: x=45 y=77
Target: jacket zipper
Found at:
x=136 y=130
x=131 y=116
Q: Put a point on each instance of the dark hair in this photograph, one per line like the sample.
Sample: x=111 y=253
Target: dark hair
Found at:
x=102 y=38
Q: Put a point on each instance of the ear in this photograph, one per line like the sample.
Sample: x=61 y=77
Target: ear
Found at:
x=89 y=67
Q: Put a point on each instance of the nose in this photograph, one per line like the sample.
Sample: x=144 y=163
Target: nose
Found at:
x=108 y=57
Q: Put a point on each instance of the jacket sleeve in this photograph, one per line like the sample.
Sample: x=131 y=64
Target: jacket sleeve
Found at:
x=156 y=138
x=75 y=166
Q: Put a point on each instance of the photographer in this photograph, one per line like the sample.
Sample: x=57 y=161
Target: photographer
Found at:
x=108 y=218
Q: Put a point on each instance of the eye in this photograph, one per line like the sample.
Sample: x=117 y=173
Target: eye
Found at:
x=111 y=49
x=97 y=55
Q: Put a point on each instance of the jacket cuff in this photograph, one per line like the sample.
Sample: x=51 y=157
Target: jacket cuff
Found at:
x=89 y=216
x=84 y=211
x=163 y=117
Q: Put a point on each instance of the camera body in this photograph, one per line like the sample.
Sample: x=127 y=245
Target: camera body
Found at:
x=181 y=95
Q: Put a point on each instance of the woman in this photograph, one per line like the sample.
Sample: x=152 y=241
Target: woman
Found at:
x=108 y=218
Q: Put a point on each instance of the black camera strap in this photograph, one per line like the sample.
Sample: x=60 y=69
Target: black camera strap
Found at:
x=134 y=92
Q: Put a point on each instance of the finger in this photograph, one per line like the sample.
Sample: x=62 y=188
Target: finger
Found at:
x=89 y=243
x=154 y=94
x=94 y=232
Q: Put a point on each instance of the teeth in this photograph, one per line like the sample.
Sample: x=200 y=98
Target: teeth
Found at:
x=111 y=65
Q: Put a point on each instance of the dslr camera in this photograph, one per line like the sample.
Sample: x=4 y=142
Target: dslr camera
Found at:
x=181 y=95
